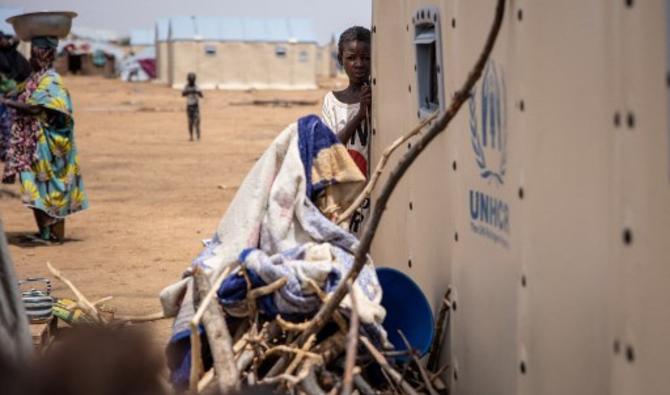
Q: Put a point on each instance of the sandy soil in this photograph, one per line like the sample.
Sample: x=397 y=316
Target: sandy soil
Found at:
x=153 y=194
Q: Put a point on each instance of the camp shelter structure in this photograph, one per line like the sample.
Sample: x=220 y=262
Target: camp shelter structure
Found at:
x=140 y=66
x=544 y=205
x=326 y=61
x=84 y=57
x=162 y=47
x=242 y=53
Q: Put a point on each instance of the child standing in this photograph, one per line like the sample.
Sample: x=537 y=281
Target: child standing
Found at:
x=347 y=112
x=192 y=94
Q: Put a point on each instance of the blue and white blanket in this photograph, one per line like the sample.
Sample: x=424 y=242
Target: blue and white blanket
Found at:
x=277 y=226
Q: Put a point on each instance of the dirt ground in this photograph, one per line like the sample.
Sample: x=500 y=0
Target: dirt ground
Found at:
x=153 y=194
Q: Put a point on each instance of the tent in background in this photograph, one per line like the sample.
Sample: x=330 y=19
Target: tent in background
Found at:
x=84 y=57
x=139 y=67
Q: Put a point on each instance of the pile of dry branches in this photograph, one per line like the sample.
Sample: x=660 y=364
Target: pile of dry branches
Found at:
x=338 y=359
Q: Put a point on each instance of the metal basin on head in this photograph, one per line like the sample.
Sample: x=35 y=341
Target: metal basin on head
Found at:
x=48 y=23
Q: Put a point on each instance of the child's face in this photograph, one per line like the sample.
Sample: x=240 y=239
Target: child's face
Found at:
x=356 y=61
x=191 y=79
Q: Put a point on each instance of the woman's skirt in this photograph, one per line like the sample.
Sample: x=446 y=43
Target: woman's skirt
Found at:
x=54 y=184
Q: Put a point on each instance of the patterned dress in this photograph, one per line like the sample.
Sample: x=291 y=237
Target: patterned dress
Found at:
x=42 y=149
x=5 y=130
x=6 y=86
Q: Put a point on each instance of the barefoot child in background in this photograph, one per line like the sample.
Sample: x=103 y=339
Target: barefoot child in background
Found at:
x=347 y=111
x=192 y=94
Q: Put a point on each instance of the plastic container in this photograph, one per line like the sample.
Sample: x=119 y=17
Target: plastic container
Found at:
x=407 y=309
x=36 y=24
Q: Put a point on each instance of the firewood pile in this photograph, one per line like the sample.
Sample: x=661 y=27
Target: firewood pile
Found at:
x=337 y=359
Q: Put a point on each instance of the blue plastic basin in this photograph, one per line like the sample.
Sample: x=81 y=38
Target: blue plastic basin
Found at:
x=407 y=310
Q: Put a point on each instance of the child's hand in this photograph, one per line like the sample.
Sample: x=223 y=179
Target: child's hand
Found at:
x=366 y=103
x=366 y=97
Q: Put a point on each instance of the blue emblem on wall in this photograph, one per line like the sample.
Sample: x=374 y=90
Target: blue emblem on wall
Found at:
x=488 y=130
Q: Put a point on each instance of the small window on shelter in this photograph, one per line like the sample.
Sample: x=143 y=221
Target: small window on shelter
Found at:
x=303 y=57
x=428 y=45
x=280 y=52
x=210 y=50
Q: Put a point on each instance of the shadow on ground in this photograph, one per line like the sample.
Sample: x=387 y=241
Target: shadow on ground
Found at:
x=29 y=239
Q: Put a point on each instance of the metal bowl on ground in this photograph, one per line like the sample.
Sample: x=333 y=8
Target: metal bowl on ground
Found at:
x=36 y=24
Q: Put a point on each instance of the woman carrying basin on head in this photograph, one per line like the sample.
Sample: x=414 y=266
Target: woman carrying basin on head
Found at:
x=42 y=150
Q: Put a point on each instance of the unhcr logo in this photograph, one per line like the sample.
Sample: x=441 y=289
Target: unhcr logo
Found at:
x=488 y=125
x=489 y=215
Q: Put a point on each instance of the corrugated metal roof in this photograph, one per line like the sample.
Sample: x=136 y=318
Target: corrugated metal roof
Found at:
x=162 y=29
x=242 y=29
x=207 y=28
x=254 y=30
x=6 y=12
x=142 y=37
x=232 y=29
x=182 y=28
x=278 y=29
x=302 y=30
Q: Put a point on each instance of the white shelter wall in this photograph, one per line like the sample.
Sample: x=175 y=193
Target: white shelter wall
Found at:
x=302 y=72
x=208 y=65
x=543 y=304
x=184 y=60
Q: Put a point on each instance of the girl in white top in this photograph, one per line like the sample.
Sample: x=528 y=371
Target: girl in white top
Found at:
x=347 y=112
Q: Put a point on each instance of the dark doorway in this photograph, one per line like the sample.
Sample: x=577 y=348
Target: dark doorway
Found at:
x=74 y=63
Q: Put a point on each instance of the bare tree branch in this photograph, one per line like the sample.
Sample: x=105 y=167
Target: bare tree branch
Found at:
x=379 y=358
x=220 y=342
x=417 y=362
x=86 y=306
x=352 y=344
x=442 y=322
x=370 y=186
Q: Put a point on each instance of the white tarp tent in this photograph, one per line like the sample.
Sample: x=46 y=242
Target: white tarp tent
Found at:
x=139 y=67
